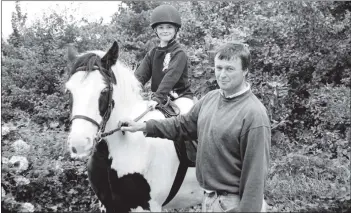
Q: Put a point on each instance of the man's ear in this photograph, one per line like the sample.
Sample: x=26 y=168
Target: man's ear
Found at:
x=245 y=72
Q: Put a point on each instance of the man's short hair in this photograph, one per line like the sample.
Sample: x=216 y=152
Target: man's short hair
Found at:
x=234 y=50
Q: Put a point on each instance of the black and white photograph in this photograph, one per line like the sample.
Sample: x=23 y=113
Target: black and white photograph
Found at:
x=175 y=106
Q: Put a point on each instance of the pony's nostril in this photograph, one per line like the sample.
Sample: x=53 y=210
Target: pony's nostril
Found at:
x=74 y=150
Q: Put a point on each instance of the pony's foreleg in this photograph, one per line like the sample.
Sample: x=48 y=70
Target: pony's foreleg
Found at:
x=98 y=167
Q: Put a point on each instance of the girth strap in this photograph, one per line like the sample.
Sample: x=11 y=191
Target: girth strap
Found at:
x=181 y=172
x=181 y=151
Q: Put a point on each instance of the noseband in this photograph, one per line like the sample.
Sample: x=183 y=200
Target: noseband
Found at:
x=101 y=127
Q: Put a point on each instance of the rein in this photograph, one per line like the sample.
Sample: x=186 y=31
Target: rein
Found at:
x=102 y=135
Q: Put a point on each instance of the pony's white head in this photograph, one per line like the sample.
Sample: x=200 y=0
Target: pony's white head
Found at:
x=91 y=84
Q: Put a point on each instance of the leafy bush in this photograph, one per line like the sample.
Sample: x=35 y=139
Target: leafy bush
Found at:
x=300 y=71
x=56 y=183
x=298 y=178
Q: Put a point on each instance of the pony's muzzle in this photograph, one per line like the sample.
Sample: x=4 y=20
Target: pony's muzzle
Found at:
x=79 y=146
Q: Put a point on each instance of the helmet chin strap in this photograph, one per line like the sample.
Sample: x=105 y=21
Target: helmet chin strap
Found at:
x=175 y=35
x=171 y=40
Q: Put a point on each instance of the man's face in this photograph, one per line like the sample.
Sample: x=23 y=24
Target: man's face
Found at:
x=230 y=75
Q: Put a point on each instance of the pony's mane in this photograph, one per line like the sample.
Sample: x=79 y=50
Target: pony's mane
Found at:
x=88 y=60
x=128 y=88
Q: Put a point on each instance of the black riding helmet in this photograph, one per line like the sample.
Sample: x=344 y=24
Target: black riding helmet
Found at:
x=165 y=14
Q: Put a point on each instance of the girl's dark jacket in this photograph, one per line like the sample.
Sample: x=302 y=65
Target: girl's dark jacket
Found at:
x=168 y=69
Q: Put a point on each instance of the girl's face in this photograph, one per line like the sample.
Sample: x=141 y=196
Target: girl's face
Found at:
x=165 y=32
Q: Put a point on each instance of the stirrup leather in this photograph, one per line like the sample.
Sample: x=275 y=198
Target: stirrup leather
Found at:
x=169 y=109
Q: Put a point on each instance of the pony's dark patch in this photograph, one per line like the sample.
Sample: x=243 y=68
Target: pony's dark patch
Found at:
x=134 y=190
x=103 y=102
x=118 y=194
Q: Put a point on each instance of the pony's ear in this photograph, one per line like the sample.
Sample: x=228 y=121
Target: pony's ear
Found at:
x=110 y=58
x=71 y=53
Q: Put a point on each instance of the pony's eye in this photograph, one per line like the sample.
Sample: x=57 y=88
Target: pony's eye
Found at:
x=103 y=101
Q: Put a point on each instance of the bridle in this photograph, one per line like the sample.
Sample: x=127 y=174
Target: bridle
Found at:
x=102 y=125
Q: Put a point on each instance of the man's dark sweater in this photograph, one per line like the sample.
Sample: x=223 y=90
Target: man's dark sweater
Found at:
x=234 y=142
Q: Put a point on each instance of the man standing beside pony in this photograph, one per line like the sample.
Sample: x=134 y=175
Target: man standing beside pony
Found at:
x=234 y=136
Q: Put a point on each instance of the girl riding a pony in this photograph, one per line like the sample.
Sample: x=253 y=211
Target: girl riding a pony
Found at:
x=166 y=64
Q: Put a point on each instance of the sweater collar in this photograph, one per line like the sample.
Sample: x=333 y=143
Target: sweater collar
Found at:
x=247 y=88
x=172 y=43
